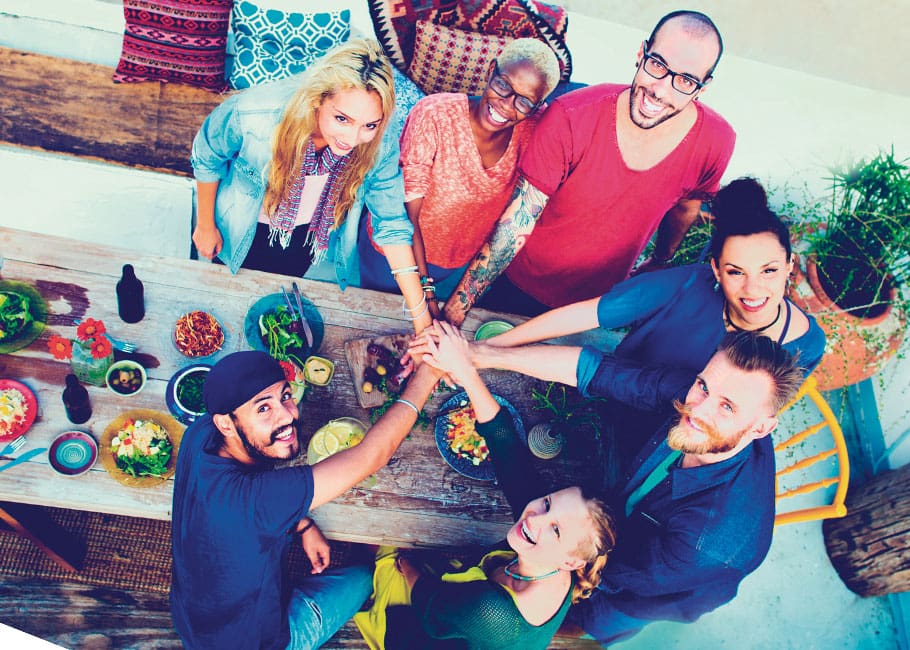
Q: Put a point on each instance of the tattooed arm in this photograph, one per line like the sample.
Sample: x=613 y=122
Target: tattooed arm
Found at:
x=513 y=228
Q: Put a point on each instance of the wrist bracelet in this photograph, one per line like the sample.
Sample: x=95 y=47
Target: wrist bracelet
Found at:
x=402 y=400
x=426 y=308
x=405 y=269
x=306 y=528
x=405 y=308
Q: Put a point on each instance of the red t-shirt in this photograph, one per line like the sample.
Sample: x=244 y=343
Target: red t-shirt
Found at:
x=601 y=214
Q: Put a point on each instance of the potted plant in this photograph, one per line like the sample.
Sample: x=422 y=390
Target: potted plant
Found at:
x=857 y=267
x=567 y=413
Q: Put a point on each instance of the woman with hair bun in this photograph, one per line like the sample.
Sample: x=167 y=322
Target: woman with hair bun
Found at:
x=678 y=316
x=517 y=595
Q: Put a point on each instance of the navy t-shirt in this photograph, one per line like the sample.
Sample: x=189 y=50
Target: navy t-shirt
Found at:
x=230 y=535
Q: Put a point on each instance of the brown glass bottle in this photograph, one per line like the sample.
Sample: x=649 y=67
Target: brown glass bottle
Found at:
x=75 y=401
x=130 y=296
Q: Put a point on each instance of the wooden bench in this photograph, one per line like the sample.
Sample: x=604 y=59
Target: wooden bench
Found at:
x=86 y=616
x=65 y=106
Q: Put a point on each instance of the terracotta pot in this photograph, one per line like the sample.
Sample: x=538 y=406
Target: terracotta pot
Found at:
x=857 y=348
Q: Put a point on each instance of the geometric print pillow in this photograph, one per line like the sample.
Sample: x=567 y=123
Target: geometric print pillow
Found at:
x=175 y=40
x=271 y=44
x=451 y=60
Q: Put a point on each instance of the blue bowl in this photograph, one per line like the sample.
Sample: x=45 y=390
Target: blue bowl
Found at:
x=72 y=453
x=177 y=409
x=270 y=303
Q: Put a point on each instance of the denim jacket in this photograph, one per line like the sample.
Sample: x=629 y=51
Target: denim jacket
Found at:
x=688 y=543
x=233 y=148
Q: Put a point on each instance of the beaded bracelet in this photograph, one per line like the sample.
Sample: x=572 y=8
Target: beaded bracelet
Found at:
x=405 y=269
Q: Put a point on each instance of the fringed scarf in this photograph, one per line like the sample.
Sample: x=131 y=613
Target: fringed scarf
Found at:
x=281 y=223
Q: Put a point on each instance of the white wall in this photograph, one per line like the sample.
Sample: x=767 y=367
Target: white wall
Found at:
x=95 y=202
x=790 y=125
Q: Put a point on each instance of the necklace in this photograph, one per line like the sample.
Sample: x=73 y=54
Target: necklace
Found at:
x=736 y=327
x=518 y=576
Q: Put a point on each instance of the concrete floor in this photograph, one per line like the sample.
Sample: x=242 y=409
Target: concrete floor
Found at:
x=794 y=601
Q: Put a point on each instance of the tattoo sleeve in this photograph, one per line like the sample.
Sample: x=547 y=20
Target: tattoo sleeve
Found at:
x=513 y=228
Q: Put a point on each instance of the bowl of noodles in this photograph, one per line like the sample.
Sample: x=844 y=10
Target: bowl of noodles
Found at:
x=198 y=334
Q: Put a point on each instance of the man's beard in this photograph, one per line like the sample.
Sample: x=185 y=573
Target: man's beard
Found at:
x=647 y=123
x=713 y=442
x=256 y=453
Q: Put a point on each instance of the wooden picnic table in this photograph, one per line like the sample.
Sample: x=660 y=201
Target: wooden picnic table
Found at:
x=417 y=500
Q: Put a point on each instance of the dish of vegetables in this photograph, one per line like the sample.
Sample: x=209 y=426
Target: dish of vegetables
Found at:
x=189 y=391
x=139 y=448
x=183 y=394
x=23 y=313
x=458 y=442
x=18 y=409
x=270 y=326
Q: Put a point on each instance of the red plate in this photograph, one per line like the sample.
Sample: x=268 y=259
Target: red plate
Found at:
x=31 y=405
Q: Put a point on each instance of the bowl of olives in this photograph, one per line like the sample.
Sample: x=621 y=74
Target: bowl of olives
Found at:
x=126 y=377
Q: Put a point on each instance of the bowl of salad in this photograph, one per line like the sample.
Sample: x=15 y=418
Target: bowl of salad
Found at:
x=23 y=314
x=139 y=448
x=270 y=326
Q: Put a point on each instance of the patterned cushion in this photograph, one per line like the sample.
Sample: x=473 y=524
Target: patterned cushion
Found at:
x=395 y=23
x=175 y=40
x=451 y=60
x=272 y=44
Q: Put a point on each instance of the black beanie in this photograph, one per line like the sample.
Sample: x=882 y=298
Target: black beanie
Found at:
x=238 y=378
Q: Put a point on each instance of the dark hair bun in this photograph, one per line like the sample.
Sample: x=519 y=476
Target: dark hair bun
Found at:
x=741 y=209
x=741 y=197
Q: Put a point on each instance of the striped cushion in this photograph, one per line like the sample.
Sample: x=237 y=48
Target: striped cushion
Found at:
x=175 y=40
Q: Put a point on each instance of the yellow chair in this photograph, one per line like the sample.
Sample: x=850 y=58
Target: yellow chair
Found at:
x=809 y=390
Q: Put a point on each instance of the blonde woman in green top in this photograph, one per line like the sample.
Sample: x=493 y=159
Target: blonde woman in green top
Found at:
x=551 y=558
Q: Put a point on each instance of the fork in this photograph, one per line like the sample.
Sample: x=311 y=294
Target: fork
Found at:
x=123 y=346
x=13 y=446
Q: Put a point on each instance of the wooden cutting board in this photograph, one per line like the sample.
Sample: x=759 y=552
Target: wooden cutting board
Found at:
x=359 y=359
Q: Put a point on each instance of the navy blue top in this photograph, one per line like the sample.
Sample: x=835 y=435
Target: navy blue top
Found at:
x=230 y=535
x=690 y=541
x=676 y=318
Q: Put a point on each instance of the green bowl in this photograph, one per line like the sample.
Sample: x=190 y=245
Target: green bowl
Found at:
x=492 y=328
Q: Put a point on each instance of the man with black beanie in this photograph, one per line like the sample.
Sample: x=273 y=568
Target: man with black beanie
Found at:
x=234 y=514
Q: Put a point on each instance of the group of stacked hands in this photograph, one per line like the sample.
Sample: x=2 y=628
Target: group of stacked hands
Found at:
x=539 y=207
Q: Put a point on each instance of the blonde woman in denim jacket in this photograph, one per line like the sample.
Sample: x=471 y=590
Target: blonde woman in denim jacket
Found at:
x=335 y=128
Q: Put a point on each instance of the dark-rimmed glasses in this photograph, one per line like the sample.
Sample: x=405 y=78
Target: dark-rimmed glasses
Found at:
x=658 y=69
x=504 y=89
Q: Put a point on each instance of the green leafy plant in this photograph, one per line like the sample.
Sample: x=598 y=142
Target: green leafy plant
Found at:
x=568 y=408
x=862 y=244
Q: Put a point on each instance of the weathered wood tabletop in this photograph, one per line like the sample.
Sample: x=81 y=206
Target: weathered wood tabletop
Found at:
x=417 y=500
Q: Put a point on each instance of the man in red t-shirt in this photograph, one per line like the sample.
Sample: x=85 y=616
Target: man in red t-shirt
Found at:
x=606 y=166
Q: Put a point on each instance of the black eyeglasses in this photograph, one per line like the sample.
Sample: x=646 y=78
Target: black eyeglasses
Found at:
x=504 y=89
x=658 y=69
